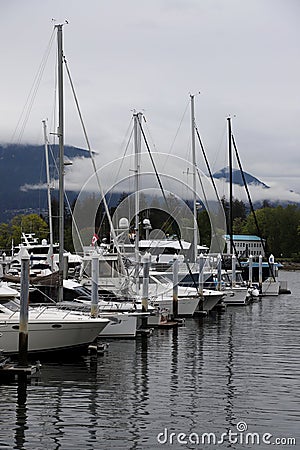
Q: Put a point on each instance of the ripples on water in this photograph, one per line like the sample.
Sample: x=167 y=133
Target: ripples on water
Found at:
x=205 y=377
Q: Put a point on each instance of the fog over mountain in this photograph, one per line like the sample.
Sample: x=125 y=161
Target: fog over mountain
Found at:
x=23 y=180
x=237 y=177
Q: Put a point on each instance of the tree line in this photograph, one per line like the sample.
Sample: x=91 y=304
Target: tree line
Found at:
x=278 y=225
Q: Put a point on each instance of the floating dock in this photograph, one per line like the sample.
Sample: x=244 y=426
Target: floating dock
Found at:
x=10 y=370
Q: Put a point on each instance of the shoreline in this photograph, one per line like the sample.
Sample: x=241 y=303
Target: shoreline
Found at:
x=291 y=266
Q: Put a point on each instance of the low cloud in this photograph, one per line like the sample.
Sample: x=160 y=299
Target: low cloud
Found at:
x=175 y=174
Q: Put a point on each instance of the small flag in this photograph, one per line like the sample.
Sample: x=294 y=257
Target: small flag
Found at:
x=94 y=239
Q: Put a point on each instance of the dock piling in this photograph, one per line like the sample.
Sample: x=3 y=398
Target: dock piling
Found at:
x=145 y=293
x=175 y=286
x=260 y=278
x=94 y=299
x=219 y=272
x=201 y=274
x=23 y=321
x=233 y=270
x=250 y=270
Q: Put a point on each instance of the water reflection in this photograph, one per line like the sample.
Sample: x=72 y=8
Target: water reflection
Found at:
x=92 y=407
x=174 y=365
x=203 y=377
x=229 y=407
x=144 y=378
x=21 y=413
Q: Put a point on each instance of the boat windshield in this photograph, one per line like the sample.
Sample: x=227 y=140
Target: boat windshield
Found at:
x=82 y=290
x=9 y=304
x=160 y=279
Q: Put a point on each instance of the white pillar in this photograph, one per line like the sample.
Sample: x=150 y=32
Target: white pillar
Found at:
x=175 y=285
x=201 y=274
x=260 y=258
x=95 y=277
x=219 y=272
x=250 y=270
x=23 y=320
x=145 y=294
x=233 y=270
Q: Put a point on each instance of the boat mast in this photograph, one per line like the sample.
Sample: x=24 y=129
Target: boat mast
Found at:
x=230 y=218
x=60 y=133
x=137 y=159
x=195 y=231
x=48 y=195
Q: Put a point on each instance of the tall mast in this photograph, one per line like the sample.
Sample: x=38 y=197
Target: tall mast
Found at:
x=230 y=224
x=48 y=194
x=60 y=133
x=195 y=227
x=137 y=158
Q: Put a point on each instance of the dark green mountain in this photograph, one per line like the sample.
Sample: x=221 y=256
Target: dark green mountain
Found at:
x=22 y=165
x=237 y=177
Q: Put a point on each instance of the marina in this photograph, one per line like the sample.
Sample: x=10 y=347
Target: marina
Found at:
x=208 y=376
x=146 y=309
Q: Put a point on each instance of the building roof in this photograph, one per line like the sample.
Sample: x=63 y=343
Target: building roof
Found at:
x=243 y=237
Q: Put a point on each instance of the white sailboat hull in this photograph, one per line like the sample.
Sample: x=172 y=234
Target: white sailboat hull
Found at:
x=211 y=299
x=54 y=333
x=236 y=297
x=270 y=287
x=120 y=326
x=186 y=306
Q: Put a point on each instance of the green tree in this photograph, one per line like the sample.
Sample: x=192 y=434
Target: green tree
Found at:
x=31 y=223
x=204 y=227
x=239 y=213
x=239 y=210
x=278 y=226
x=5 y=237
x=238 y=225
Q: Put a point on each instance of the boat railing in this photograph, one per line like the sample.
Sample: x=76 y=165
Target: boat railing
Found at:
x=13 y=314
x=49 y=307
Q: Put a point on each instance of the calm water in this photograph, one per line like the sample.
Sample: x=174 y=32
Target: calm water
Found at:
x=241 y=367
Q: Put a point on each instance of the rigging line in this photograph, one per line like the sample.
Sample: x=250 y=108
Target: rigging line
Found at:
x=66 y=197
x=33 y=91
x=180 y=123
x=152 y=160
x=165 y=198
x=176 y=134
x=38 y=81
x=112 y=230
x=118 y=172
x=55 y=101
x=91 y=153
x=213 y=183
x=208 y=209
x=219 y=148
x=169 y=220
x=207 y=163
x=250 y=202
x=149 y=133
x=124 y=154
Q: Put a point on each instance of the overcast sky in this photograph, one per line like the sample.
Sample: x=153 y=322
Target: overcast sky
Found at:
x=242 y=56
